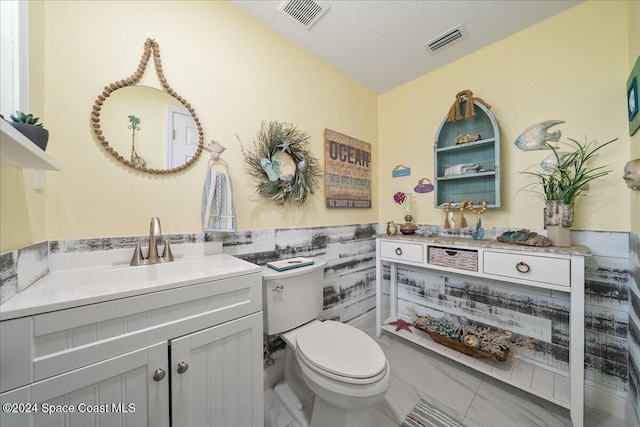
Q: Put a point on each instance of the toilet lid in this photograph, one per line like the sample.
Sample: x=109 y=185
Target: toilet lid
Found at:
x=341 y=350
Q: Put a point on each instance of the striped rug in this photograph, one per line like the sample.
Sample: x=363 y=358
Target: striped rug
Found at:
x=426 y=415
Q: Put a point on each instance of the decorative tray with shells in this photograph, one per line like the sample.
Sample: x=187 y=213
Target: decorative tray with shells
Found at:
x=465 y=349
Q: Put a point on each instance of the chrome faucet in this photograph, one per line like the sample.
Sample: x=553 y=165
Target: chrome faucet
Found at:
x=152 y=253
x=154 y=233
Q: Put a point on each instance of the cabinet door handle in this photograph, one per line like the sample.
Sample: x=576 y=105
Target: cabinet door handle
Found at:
x=182 y=367
x=523 y=267
x=278 y=288
x=159 y=374
x=398 y=251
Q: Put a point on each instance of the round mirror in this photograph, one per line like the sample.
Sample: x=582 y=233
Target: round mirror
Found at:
x=148 y=129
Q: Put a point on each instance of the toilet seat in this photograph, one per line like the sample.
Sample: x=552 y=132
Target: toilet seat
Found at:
x=336 y=351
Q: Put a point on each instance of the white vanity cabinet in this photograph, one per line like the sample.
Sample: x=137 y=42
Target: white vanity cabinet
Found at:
x=551 y=268
x=219 y=387
x=187 y=355
x=117 y=391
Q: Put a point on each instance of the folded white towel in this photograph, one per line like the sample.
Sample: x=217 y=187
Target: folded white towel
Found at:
x=462 y=169
x=217 y=209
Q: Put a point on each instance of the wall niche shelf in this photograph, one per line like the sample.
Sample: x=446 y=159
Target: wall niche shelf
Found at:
x=18 y=150
x=477 y=186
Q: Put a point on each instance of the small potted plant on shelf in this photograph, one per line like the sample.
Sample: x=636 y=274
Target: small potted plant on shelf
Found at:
x=565 y=175
x=28 y=125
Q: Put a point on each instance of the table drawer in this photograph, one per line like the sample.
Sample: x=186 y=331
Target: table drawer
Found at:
x=464 y=259
x=542 y=269
x=402 y=251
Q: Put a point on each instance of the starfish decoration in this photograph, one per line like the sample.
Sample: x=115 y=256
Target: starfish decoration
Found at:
x=401 y=324
x=285 y=146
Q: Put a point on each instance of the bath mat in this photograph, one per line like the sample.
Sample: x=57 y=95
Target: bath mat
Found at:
x=425 y=414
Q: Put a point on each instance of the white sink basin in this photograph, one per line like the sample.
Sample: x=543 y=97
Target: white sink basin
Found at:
x=77 y=282
x=158 y=273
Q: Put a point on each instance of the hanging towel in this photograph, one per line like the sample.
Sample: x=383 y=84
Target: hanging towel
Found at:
x=218 y=213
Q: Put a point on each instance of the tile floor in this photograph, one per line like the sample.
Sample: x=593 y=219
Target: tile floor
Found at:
x=465 y=394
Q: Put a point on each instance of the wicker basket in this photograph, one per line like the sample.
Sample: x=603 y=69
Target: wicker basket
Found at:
x=463 y=259
x=465 y=349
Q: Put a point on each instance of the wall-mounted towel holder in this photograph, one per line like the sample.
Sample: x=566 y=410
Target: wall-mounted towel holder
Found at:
x=215 y=148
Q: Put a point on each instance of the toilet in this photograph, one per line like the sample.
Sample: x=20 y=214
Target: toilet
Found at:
x=334 y=374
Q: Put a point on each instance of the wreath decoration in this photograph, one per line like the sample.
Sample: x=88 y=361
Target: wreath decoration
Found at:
x=262 y=164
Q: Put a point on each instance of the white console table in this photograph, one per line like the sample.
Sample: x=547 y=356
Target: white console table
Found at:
x=555 y=268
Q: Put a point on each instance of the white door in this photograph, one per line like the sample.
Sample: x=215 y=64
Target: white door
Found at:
x=182 y=137
x=119 y=391
x=216 y=377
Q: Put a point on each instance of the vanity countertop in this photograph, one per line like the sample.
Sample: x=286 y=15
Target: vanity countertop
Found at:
x=487 y=244
x=66 y=287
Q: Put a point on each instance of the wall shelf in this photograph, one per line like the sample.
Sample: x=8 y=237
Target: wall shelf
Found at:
x=485 y=152
x=17 y=149
x=467 y=145
x=467 y=176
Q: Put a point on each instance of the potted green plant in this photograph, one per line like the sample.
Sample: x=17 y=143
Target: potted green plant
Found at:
x=28 y=125
x=565 y=175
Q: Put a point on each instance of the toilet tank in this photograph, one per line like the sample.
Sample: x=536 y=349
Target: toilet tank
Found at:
x=293 y=297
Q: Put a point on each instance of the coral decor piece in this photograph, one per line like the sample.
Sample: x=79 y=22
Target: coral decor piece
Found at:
x=463 y=139
x=401 y=324
x=471 y=339
x=262 y=163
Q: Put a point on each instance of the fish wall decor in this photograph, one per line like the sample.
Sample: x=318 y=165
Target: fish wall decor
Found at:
x=535 y=137
x=551 y=162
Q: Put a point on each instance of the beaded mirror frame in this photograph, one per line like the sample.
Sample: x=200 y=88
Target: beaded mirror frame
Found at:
x=150 y=46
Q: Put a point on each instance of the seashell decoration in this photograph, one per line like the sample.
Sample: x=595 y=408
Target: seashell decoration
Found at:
x=471 y=341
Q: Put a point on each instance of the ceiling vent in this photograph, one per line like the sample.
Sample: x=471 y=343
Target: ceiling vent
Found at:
x=304 y=12
x=447 y=38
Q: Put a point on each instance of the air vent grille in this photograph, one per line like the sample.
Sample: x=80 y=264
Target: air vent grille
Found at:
x=445 y=39
x=304 y=12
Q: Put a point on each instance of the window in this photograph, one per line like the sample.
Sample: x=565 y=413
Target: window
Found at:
x=14 y=72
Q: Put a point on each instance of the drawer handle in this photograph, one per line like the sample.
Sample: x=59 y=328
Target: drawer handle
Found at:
x=451 y=253
x=398 y=251
x=523 y=267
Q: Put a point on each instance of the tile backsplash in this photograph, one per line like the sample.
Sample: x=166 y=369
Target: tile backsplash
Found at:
x=612 y=299
x=21 y=268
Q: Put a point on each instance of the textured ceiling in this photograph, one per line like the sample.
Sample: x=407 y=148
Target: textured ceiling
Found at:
x=379 y=44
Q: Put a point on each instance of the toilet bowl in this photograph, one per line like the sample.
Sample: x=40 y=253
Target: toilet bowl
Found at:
x=334 y=373
x=344 y=369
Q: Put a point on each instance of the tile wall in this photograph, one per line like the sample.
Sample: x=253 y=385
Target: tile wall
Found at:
x=634 y=324
x=612 y=299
